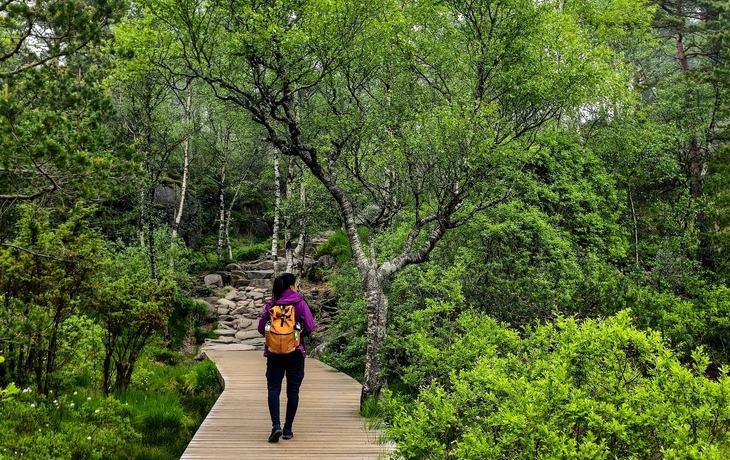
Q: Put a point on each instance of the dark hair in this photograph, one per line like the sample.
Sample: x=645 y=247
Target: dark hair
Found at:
x=282 y=283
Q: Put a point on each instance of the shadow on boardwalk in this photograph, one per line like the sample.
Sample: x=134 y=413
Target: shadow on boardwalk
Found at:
x=327 y=425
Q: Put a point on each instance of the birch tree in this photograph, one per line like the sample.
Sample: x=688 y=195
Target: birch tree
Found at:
x=277 y=211
x=462 y=87
x=186 y=164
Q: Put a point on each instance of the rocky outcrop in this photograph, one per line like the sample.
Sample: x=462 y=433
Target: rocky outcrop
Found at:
x=237 y=312
x=236 y=297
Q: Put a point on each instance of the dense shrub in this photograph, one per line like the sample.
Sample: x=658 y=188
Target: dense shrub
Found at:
x=567 y=390
x=338 y=245
x=347 y=338
x=156 y=418
x=205 y=258
x=187 y=316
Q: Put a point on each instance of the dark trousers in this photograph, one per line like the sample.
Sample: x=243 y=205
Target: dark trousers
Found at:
x=277 y=366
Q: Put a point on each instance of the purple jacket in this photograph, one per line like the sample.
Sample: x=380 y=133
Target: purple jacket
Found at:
x=301 y=315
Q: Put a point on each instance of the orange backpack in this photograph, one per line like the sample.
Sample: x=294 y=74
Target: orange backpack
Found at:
x=282 y=332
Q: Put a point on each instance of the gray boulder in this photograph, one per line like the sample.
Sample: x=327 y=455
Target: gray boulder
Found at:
x=225 y=332
x=246 y=335
x=262 y=283
x=242 y=323
x=259 y=274
x=226 y=303
x=213 y=280
x=224 y=339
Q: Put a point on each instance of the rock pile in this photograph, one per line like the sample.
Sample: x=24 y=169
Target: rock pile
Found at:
x=237 y=313
x=236 y=297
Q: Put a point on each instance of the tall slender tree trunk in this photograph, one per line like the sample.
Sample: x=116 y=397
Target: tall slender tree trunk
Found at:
x=277 y=205
x=228 y=221
x=142 y=207
x=696 y=163
x=299 y=250
x=377 y=311
x=221 y=195
x=151 y=233
x=221 y=211
x=681 y=55
x=288 y=218
x=228 y=235
x=186 y=150
x=636 y=227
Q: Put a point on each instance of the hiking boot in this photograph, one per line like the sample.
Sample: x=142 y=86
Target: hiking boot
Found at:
x=275 y=434
x=288 y=433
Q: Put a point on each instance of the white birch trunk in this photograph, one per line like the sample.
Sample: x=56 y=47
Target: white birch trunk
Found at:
x=277 y=204
x=142 y=207
x=228 y=220
x=221 y=212
x=299 y=250
x=222 y=202
x=288 y=218
x=228 y=236
x=186 y=150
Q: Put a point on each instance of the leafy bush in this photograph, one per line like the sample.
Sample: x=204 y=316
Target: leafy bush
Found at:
x=338 y=245
x=687 y=322
x=252 y=251
x=64 y=426
x=568 y=390
x=46 y=279
x=157 y=418
x=206 y=260
x=347 y=334
x=187 y=315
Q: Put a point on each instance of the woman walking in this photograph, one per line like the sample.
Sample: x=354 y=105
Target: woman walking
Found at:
x=282 y=362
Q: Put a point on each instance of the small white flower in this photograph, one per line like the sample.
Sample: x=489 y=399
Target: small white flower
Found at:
x=27 y=390
x=72 y=404
x=89 y=438
x=50 y=391
x=96 y=411
x=89 y=398
x=55 y=401
x=75 y=393
x=32 y=405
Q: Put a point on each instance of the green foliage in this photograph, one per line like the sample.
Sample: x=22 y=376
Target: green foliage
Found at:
x=251 y=251
x=65 y=426
x=153 y=420
x=205 y=259
x=186 y=316
x=688 y=322
x=52 y=111
x=132 y=307
x=597 y=389
x=10 y=390
x=46 y=279
x=347 y=339
x=338 y=245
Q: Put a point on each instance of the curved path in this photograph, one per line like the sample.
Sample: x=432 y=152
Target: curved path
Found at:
x=327 y=425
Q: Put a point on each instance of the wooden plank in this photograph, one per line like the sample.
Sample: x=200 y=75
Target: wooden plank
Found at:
x=327 y=425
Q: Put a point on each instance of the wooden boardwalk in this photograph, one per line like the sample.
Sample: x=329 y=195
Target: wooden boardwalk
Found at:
x=327 y=425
